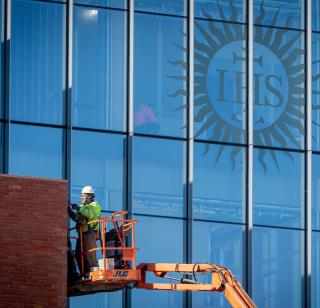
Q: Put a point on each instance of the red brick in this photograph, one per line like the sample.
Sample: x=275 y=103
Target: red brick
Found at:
x=33 y=230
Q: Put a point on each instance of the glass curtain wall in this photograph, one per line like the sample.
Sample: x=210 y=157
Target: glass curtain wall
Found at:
x=135 y=149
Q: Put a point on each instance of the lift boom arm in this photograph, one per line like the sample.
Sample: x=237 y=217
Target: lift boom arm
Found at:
x=222 y=280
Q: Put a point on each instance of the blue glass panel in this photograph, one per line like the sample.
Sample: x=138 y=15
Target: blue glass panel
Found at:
x=177 y=7
x=160 y=75
x=37 y=76
x=233 y=10
x=158 y=176
x=278 y=274
x=316 y=192
x=316 y=90
x=220 y=244
x=278 y=188
x=99 y=62
x=315 y=278
x=284 y=13
x=119 y=4
x=99 y=300
x=98 y=160
x=279 y=88
x=219 y=81
x=36 y=151
x=315 y=15
x=218 y=182
x=160 y=240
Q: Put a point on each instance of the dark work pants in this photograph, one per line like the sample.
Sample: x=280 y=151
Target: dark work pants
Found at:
x=89 y=239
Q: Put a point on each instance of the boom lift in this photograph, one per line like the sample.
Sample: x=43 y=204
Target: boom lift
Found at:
x=117 y=268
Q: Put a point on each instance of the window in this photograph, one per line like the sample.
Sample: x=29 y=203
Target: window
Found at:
x=279 y=87
x=218 y=182
x=99 y=97
x=284 y=13
x=221 y=244
x=316 y=91
x=158 y=177
x=177 y=7
x=222 y=10
x=278 y=188
x=37 y=64
x=98 y=160
x=159 y=240
x=277 y=268
x=219 y=81
x=160 y=75
x=316 y=192
x=120 y=4
x=36 y=151
x=315 y=280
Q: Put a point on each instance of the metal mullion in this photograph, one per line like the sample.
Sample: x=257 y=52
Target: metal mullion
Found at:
x=308 y=155
x=126 y=294
x=68 y=93
x=190 y=142
x=7 y=13
x=249 y=156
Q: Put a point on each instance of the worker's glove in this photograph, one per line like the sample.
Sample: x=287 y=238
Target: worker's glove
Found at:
x=75 y=206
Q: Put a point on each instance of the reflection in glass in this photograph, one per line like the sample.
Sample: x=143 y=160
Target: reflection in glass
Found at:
x=177 y=7
x=220 y=244
x=158 y=177
x=315 y=15
x=219 y=81
x=278 y=270
x=160 y=75
x=316 y=91
x=278 y=88
x=99 y=97
x=315 y=280
x=221 y=10
x=159 y=240
x=316 y=192
x=110 y=299
x=278 y=190
x=218 y=182
x=36 y=151
x=285 y=13
x=120 y=4
x=37 y=81
x=98 y=160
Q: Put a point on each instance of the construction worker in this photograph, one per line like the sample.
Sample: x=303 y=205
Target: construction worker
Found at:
x=88 y=211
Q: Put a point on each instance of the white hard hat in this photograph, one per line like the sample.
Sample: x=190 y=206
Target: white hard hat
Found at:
x=87 y=190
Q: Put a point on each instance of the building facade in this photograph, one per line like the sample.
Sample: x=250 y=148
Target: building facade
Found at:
x=201 y=118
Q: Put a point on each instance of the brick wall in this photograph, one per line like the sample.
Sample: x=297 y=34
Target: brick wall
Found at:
x=33 y=230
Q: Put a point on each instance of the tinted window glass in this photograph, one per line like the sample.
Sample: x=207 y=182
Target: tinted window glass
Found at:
x=98 y=160
x=277 y=271
x=99 y=62
x=158 y=177
x=160 y=240
x=110 y=299
x=284 y=13
x=218 y=182
x=316 y=91
x=316 y=192
x=220 y=244
x=279 y=87
x=222 y=10
x=177 y=7
x=315 y=15
x=121 y=4
x=160 y=75
x=219 y=81
x=36 y=151
x=37 y=81
x=278 y=188
x=315 y=270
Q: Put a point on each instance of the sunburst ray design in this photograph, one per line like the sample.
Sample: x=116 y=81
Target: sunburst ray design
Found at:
x=286 y=130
